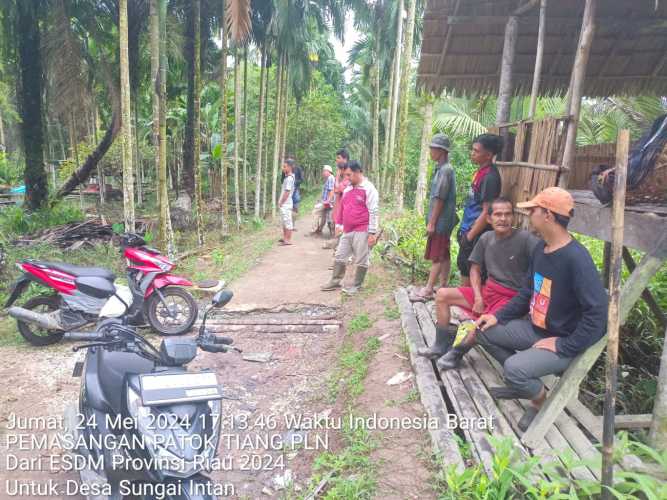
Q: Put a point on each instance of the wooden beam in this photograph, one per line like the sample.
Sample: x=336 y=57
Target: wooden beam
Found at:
x=539 y=56
x=525 y=164
x=657 y=436
x=614 y=318
x=445 y=46
x=642 y=421
x=577 y=87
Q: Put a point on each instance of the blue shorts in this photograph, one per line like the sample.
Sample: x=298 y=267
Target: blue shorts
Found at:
x=296 y=198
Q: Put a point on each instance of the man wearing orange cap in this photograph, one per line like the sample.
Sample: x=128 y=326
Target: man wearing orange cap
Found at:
x=565 y=301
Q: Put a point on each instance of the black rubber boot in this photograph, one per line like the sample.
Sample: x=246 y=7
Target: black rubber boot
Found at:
x=444 y=338
x=359 y=277
x=452 y=360
x=527 y=418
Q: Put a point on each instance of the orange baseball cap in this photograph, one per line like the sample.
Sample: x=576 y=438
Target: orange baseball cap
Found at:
x=554 y=199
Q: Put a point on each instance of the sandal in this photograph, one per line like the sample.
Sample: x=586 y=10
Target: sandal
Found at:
x=285 y=243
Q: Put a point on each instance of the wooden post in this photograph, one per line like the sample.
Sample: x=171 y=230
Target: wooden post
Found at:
x=506 y=70
x=614 y=318
x=575 y=92
x=539 y=56
x=657 y=436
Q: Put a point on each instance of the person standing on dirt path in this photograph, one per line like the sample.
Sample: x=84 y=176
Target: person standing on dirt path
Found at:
x=358 y=222
x=285 y=203
x=324 y=217
x=341 y=182
x=486 y=187
x=440 y=219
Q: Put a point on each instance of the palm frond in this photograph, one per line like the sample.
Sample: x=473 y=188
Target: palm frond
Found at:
x=237 y=18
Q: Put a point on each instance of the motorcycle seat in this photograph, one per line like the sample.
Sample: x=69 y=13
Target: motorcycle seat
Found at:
x=79 y=271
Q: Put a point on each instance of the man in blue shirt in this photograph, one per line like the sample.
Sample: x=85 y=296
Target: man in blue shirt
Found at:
x=485 y=187
x=327 y=199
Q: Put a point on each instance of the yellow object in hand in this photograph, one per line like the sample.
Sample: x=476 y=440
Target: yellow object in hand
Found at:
x=465 y=327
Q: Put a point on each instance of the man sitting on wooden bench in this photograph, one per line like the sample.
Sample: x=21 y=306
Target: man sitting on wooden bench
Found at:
x=566 y=302
x=504 y=256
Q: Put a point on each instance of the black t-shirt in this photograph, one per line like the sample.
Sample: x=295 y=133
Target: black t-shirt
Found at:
x=565 y=298
x=488 y=190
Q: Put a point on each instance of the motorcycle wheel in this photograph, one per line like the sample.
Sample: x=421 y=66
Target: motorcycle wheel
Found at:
x=181 y=302
x=34 y=334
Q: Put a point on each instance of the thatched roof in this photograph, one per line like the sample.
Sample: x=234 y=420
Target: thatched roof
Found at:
x=463 y=43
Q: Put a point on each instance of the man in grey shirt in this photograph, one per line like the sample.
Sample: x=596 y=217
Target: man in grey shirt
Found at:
x=440 y=219
x=503 y=255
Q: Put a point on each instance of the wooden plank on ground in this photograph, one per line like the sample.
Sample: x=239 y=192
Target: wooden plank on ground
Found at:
x=460 y=397
x=428 y=336
x=579 y=411
x=443 y=438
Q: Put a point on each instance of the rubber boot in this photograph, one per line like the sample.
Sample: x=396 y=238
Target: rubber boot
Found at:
x=336 y=277
x=452 y=360
x=444 y=338
x=359 y=276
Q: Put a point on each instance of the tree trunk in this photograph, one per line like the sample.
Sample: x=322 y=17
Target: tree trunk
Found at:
x=101 y=181
x=285 y=98
x=405 y=102
x=2 y=133
x=395 y=98
x=196 y=125
x=224 y=211
x=30 y=98
x=375 y=160
x=188 y=169
x=657 y=437
x=267 y=146
x=277 y=129
x=237 y=134
x=245 y=130
x=73 y=141
x=126 y=121
x=260 y=134
x=387 y=131
x=424 y=154
x=158 y=13
x=135 y=151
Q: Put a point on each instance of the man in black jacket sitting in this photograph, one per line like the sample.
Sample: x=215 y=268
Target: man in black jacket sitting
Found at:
x=565 y=300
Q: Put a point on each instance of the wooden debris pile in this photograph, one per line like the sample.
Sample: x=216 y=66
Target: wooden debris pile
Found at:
x=74 y=235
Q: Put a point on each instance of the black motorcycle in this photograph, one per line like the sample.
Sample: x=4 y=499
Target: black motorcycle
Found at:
x=145 y=426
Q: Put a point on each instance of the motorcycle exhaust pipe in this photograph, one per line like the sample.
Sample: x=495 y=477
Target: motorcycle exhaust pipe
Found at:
x=48 y=321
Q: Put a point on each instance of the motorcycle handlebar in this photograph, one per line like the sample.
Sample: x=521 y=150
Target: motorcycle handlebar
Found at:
x=84 y=336
x=217 y=339
x=213 y=348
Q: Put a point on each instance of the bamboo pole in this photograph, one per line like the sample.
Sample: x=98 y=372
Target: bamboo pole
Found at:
x=614 y=317
x=575 y=92
x=539 y=56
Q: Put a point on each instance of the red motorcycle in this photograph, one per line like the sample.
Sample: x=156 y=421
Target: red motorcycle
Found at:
x=153 y=295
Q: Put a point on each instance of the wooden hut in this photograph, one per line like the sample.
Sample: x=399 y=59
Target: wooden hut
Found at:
x=576 y=48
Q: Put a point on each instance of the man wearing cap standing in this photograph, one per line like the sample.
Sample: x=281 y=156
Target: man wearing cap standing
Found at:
x=440 y=219
x=565 y=301
x=326 y=200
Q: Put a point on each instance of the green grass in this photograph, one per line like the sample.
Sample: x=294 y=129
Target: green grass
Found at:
x=351 y=473
x=359 y=323
x=352 y=369
x=411 y=397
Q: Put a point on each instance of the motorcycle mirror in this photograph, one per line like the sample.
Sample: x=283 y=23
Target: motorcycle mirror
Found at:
x=221 y=298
